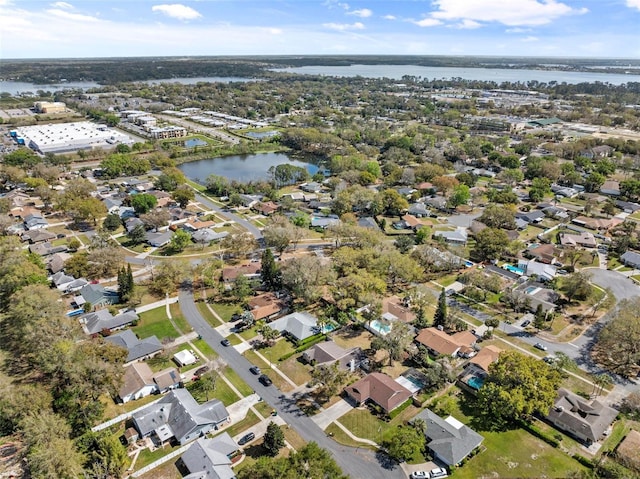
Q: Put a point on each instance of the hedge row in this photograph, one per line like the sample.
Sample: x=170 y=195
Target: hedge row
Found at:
x=401 y=408
x=540 y=434
x=304 y=345
x=583 y=460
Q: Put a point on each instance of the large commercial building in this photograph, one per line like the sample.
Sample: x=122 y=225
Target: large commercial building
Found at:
x=49 y=107
x=68 y=137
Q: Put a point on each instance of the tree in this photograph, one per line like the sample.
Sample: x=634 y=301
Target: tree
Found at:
x=155 y=219
x=106 y=456
x=491 y=243
x=576 y=286
x=182 y=195
x=393 y=203
x=273 y=439
x=143 y=203
x=495 y=216
x=180 y=240
x=423 y=235
x=598 y=302
x=459 y=196
x=217 y=185
x=609 y=208
x=170 y=179
x=305 y=276
x=168 y=277
x=440 y=316
x=241 y=288
x=269 y=334
x=269 y=271
x=594 y=182
x=395 y=342
x=618 y=344
x=112 y=222
x=329 y=378
x=404 y=243
x=206 y=383
x=517 y=386
x=137 y=235
x=404 y=443
x=125 y=283
x=238 y=244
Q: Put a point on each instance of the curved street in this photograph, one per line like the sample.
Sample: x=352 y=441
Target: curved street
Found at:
x=356 y=462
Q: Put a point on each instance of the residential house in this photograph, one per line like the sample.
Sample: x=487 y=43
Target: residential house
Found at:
x=210 y=458
x=448 y=439
x=37 y=236
x=164 y=198
x=437 y=202
x=327 y=353
x=586 y=421
x=457 y=237
x=207 y=235
x=299 y=325
x=249 y=201
x=565 y=191
x=266 y=306
x=267 y=208
x=137 y=382
x=556 y=212
x=159 y=239
x=178 y=416
x=132 y=223
x=597 y=152
x=102 y=320
x=610 y=188
x=185 y=358
x=599 y=224
x=97 y=296
x=194 y=224
x=167 y=379
x=585 y=239
x=405 y=191
x=394 y=308
x=368 y=222
x=35 y=221
x=136 y=348
x=535 y=216
x=324 y=222
x=379 y=389
x=440 y=343
x=56 y=262
x=535 y=294
x=113 y=205
x=67 y=283
x=544 y=253
x=544 y=272
x=411 y=222
x=311 y=187
x=23 y=211
x=478 y=367
x=627 y=206
x=631 y=258
x=47 y=249
x=251 y=270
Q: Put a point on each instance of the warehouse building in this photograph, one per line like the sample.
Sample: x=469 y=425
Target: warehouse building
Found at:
x=49 y=107
x=69 y=137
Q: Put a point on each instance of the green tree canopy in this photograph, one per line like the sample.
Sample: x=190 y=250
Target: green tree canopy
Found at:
x=143 y=203
x=273 y=439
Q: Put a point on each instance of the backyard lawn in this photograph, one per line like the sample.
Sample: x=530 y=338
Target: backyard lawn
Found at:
x=222 y=392
x=155 y=322
x=295 y=370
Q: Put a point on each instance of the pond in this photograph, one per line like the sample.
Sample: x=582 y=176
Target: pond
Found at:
x=257 y=135
x=193 y=142
x=242 y=168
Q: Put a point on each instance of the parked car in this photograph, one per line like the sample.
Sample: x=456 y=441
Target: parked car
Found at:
x=419 y=475
x=255 y=370
x=438 y=472
x=549 y=359
x=202 y=370
x=525 y=323
x=225 y=342
x=540 y=346
x=246 y=438
x=265 y=380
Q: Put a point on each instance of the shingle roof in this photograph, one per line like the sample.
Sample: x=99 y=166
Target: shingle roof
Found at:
x=136 y=348
x=379 y=388
x=102 y=319
x=300 y=325
x=208 y=458
x=451 y=440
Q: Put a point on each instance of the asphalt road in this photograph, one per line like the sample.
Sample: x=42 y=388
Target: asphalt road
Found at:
x=241 y=221
x=355 y=462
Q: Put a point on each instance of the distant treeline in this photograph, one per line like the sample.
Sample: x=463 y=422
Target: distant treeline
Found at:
x=111 y=71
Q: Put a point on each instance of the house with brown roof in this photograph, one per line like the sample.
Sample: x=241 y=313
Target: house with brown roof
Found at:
x=585 y=239
x=478 y=367
x=583 y=420
x=412 y=222
x=394 y=308
x=266 y=208
x=327 y=353
x=266 y=306
x=599 y=224
x=545 y=253
x=628 y=452
x=440 y=343
x=251 y=270
x=194 y=224
x=379 y=389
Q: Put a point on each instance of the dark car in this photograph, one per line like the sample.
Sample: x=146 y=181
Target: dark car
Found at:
x=264 y=379
x=202 y=370
x=246 y=438
x=525 y=323
x=225 y=342
x=255 y=370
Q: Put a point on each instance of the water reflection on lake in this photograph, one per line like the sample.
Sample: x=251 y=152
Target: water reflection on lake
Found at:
x=243 y=168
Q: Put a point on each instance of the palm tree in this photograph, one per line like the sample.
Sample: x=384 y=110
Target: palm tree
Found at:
x=599 y=383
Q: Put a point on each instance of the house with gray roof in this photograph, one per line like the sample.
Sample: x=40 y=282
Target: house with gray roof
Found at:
x=159 y=239
x=102 y=320
x=631 y=258
x=207 y=235
x=459 y=236
x=47 y=249
x=136 y=348
x=324 y=221
x=133 y=223
x=97 y=296
x=299 y=325
x=178 y=416
x=586 y=421
x=449 y=440
x=37 y=236
x=210 y=458
x=35 y=221
x=419 y=210
x=368 y=222
x=327 y=353
x=535 y=216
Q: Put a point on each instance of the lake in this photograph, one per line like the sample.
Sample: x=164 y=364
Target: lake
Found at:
x=396 y=72
x=193 y=81
x=242 y=168
x=15 y=87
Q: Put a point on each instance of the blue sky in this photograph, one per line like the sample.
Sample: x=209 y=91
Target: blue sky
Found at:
x=113 y=28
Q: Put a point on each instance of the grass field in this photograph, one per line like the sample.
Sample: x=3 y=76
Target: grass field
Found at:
x=295 y=370
x=178 y=318
x=222 y=392
x=237 y=381
x=205 y=349
x=208 y=315
x=155 y=322
x=226 y=310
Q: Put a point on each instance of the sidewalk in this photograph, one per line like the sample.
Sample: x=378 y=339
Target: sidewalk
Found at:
x=157 y=304
x=331 y=414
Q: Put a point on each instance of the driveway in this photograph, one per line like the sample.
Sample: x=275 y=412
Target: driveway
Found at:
x=355 y=462
x=326 y=417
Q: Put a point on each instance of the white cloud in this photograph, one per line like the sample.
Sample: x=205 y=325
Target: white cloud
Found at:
x=529 y=39
x=633 y=4
x=428 y=22
x=467 y=24
x=362 y=13
x=275 y=31
x=389 y=17
x=76 y=17
x=64 y=5
x=517 y=30
x=177 y=10
x=507 y=12
x=343 y=27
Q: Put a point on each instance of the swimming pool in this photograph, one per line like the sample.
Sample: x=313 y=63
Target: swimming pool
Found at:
x=532 y=290
x=475 y=382
x=512 y=269
x=327 y=328
x=379 y=327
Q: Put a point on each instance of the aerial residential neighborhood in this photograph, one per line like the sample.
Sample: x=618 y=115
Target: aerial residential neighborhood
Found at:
x=425 y=279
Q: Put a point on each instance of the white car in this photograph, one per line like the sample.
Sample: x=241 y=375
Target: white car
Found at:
x=438 y=472
x=419 y=475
